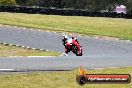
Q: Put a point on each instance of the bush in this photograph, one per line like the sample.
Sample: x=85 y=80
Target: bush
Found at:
x=7 y=2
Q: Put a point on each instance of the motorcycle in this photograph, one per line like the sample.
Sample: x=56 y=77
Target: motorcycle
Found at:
x=73 y=46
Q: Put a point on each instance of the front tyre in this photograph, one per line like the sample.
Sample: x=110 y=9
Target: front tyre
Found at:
x=80 y=53
x=75 y=51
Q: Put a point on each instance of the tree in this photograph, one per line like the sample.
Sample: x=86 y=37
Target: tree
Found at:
x=27 y=2
x=129 y=7
x=90 y=5
x=7 y=2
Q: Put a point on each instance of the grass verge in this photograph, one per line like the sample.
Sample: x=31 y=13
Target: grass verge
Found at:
x=113 y=27
x=59 y=79
x=6 y=51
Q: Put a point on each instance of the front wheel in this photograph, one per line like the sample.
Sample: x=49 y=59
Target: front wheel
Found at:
x=75 y=51
x=80 y=53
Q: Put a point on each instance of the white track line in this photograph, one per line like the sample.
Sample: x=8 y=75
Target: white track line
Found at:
x=41 y=56
x=6 y=69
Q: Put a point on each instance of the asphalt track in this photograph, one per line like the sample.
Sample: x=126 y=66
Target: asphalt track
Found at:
x=97 y=52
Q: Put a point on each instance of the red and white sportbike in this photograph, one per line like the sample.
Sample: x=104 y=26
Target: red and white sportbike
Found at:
x=72 y=45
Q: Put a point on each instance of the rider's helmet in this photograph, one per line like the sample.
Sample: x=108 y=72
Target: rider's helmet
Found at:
x=65 y=37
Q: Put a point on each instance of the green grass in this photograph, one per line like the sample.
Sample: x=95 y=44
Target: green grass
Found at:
x=6 y=51
x=58 y=79
x=114 y=27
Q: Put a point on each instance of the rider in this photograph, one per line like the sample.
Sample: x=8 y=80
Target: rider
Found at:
x=64 y=41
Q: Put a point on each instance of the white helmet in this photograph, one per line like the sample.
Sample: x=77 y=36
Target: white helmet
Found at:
x=65 y=36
